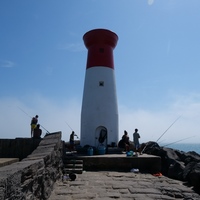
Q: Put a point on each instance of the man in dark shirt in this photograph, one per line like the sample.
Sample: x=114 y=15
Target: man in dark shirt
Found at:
x=37 y=132
x=71 y=140
x=124 y=142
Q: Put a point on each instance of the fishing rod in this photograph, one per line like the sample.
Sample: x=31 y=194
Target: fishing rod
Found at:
x=162 y=133
x=71 y=129
x=31 y=118
x=24 y=112
x=169 y=127
x=179 y=141
x=69 y=126
x=45 y=129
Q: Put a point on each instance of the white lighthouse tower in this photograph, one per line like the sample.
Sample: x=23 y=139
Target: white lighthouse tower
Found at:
x=99 y=115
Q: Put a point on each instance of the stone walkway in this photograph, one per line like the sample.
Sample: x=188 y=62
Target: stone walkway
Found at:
x=121 y=185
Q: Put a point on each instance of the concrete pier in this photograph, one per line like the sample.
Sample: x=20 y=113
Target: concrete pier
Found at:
x=120 y=185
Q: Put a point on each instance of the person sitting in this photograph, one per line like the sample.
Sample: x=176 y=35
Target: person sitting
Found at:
x=124 y=142
x=37 y=132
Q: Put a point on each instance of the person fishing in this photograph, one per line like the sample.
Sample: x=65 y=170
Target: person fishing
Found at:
x=34 y=122
x=71 y=140
x=136 y=142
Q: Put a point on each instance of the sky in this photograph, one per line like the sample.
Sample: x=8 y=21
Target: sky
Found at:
x=156 y=60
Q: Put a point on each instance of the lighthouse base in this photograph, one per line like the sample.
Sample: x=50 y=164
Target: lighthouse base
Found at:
x=119 y=162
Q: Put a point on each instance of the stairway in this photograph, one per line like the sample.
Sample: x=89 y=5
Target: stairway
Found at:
x=71 y=164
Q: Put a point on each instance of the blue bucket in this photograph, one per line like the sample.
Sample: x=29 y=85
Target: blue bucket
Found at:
x=90 y=151
x=128 y=153
x=101 y=150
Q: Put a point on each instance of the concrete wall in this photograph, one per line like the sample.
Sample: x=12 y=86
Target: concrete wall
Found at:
x=18 y=148
x=34 y=176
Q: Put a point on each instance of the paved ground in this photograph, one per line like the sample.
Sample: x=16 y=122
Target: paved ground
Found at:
x=118 y=185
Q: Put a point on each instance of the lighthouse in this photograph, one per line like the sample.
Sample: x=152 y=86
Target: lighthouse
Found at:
x=99 y=113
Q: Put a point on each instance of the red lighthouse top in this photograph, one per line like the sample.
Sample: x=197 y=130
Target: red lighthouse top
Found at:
x=100 y=44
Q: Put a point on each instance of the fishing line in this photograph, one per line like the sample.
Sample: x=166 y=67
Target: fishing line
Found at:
x=179 y=141
x=71 y=129
x=169 y=128
x=68 y=125
x=24 y=112
x=45 y=129
x=162 y=133
x=31 y=118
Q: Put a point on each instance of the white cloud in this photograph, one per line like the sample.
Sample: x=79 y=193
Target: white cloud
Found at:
x=6 y=63
x=152 y=124
x=55 y=117
x=73 y=47
x=15 y=117
x=150 y=2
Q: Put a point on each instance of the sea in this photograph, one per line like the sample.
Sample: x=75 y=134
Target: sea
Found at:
x=186 y=147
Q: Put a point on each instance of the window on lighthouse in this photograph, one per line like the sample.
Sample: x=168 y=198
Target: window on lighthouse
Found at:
x=101 y=83
x=101 y=50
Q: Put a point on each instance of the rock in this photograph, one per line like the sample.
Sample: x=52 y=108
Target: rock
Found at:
x=177 y=164
x=194 y=177
x=150 y=148
x=176 y=170
x=188 y=168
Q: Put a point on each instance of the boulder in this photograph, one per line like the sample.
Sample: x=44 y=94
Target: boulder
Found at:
x=194 y=177
x=175 y=170
x=188 y=168
x=177 y=164
x=150 y=148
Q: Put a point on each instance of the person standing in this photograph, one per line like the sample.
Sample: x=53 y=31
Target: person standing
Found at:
x=34 y=122
x=71 y=140
x=136 y=142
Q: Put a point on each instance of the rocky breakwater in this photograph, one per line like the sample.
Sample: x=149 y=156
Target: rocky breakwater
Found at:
x=34 y=176
x=179 y=165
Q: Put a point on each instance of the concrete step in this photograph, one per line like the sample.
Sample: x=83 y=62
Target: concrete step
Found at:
x=72 y=164
x=77 y=166
x=72 y=170
x=72 y=161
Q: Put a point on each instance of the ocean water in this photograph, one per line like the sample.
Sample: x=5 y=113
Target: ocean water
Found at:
x=184 y=147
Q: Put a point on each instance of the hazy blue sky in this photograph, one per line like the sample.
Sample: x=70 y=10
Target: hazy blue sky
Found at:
x=157 y=64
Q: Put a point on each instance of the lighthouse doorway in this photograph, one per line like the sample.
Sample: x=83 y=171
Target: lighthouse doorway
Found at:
x=101 y=136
